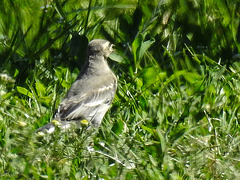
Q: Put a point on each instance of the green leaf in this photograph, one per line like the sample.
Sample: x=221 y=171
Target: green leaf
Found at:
x=135 y=48
x=40 y=88
x=7 y=95
x=149 y=130
x=118 y=127
x=162 y=139
x=65 y=84
x=176 y=75
x=150 y=76
x=16 y=73
x=58 y=74
x=24 y=91
x=139 y=83
x=50 y=173
x=46 y=100
x=144 y=47
x=192 y=77
x=142 y=101
x=116 y=57
x=63 y=76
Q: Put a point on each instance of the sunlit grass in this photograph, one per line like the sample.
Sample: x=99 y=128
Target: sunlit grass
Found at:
x=175 y=115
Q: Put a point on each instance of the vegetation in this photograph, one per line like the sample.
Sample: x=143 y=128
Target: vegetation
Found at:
x=176 y=112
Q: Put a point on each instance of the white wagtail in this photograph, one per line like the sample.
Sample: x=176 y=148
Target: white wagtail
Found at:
x=92 y=93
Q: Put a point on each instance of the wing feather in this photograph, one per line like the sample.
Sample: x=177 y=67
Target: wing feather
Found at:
x=92 y=105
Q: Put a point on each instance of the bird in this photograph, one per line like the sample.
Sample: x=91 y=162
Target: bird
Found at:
x=91 y=94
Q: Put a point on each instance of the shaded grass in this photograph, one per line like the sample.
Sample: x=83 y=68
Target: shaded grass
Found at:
x=175 y=115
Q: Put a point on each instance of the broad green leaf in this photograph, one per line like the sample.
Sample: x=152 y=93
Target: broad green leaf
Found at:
x=192 y=77
x=40 y=88
x=150 y=76
x=116 y=57
x=50 y=173
x=145 y=46
x=162 y=75
x=135 y=48
x=24 y=91
x=65 y=84
x=139 y=83
x=46 y=100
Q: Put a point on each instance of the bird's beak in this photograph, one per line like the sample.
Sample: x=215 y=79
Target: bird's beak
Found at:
x=112 y=48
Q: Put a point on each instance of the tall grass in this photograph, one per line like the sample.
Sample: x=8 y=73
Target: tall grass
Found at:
x=175 y=115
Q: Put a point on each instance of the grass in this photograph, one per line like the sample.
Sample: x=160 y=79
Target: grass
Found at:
x=176 y=112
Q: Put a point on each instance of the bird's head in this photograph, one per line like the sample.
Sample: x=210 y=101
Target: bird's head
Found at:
x=100 y=47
